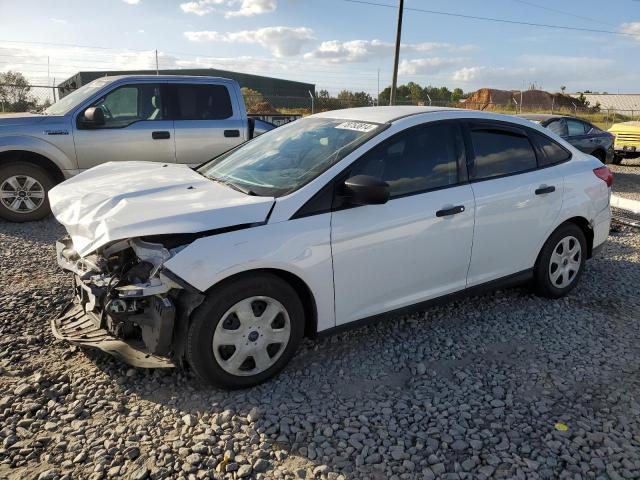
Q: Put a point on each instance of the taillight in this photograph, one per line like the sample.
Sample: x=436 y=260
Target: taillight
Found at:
x=604 y=174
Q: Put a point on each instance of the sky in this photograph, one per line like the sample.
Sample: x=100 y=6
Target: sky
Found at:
x=335 y=44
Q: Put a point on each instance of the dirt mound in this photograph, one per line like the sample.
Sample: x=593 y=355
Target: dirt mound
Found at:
x=491 y=98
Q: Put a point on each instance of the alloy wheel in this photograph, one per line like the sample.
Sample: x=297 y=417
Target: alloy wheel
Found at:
x=22 y=194
x=251 y=336
x=565 y=262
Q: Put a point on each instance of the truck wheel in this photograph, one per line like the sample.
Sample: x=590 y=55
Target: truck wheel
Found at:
x=23 y=192
x=600 y=155
x=245 y=331
x=561 y=262
x=617 y=159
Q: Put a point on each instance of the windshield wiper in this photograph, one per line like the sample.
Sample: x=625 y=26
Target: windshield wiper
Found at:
x=235 y=187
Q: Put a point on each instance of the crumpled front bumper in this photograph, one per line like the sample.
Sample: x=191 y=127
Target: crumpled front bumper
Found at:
x=78 y=327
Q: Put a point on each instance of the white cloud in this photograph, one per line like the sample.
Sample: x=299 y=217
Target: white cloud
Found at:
x=280 y=41
x=232 y=8
x=632 y=28
x=132 y=2
x=364 y=50
x=548 y=71
x=249 y=8
x=422 y=66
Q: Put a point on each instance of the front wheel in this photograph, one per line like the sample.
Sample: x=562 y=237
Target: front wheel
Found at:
x=23 y=192
x=561 y=262
x=245 y=331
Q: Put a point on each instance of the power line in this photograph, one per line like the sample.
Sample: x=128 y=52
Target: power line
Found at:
x=562 y=12
x=497 y=20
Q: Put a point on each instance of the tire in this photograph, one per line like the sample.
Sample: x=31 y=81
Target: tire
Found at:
x=24 y=189
x=547 y=281
x=217 y=320
x=617 y=159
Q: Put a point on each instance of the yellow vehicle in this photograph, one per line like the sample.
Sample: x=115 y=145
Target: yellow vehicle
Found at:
x=627 y=142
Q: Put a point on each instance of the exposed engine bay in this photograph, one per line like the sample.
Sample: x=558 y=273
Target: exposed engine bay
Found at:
x=122 y=295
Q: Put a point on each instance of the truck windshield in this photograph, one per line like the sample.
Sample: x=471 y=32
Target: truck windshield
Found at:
x=64 y=105
x=283 y=160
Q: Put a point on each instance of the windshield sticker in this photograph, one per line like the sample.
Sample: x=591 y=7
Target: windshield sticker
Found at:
x=358 y=126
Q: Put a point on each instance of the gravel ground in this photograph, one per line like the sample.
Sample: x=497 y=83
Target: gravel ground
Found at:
x=626 y=179
x=507 y=385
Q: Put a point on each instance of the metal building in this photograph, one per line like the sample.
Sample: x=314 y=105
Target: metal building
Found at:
x=279 y=92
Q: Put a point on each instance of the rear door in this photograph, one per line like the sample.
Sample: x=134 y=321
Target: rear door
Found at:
x=409 y=249
x=208 y=121
x=518 y=198
x=136 y=127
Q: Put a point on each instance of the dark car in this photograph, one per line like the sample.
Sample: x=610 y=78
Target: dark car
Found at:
x=582 y=135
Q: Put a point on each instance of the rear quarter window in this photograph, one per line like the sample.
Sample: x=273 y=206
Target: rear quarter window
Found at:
x=552 y=152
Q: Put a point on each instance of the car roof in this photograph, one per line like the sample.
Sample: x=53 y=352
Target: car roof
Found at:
x=541 y=117
x=378 y=114
x=114 y=78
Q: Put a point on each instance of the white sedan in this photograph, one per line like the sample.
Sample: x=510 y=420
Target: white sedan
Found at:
x=319 y=225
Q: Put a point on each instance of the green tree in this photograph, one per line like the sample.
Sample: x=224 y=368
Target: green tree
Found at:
x=457 y=95
x=15 y=92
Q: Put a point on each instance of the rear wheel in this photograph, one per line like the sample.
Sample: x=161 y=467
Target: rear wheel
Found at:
x=245 y=331
x=561 y=261
x=23 y=192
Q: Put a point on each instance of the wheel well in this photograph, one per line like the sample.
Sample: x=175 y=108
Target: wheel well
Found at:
x=34 y=158
x=301 y=288
x=598 y=153
x=584 y=225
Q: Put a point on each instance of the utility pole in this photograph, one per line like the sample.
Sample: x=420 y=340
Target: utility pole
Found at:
x=394 y=81
x=157 y=70
x=378 y=97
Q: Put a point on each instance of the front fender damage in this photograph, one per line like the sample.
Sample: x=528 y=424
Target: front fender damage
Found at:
x=126 y=304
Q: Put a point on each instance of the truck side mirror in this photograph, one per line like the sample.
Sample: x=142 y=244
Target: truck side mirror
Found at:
x=94 y=116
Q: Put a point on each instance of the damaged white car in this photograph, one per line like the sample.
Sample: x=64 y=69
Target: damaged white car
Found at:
x=322 y=224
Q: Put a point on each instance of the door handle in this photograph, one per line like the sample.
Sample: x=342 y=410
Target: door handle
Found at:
x=542 y=189
x=232 y=133
x=160 y=135
x=445 y=212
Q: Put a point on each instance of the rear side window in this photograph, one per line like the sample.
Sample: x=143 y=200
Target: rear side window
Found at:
x=419 y=159
x=203 y=102
x=500 y=152
x=552 y=153
x=575 y=127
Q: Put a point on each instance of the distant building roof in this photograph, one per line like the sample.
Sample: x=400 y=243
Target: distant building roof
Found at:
x=620 y=102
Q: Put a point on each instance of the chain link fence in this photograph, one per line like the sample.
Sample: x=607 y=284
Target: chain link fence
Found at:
x=34 y=98
x=26 y=98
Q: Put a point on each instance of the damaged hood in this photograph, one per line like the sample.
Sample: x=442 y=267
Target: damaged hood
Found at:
x=119 y=200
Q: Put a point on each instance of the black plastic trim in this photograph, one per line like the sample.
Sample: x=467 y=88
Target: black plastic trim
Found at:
x=504 y=282
x=183 y=283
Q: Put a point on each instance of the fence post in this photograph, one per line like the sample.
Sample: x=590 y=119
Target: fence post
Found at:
x=312 y=102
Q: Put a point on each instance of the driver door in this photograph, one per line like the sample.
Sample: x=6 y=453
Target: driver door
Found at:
x=415 y=247
x=135 y=128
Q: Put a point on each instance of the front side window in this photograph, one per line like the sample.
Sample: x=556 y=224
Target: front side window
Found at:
x=203 y=102
x=283 y=160
x=129 y=104
x=558 y=127
x=575 y=127
x=500 y=152
x=419 y=159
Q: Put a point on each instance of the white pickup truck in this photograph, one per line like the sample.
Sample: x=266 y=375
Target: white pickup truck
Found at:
x=170 y=119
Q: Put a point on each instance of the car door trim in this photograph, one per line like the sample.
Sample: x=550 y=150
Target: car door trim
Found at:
x=508 y=281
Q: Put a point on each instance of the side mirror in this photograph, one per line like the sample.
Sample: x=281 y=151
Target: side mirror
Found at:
x=94 y=116
x=366 y=190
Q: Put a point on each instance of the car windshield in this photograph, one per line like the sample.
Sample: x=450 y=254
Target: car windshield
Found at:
x=64 y=105
x=283 y=160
